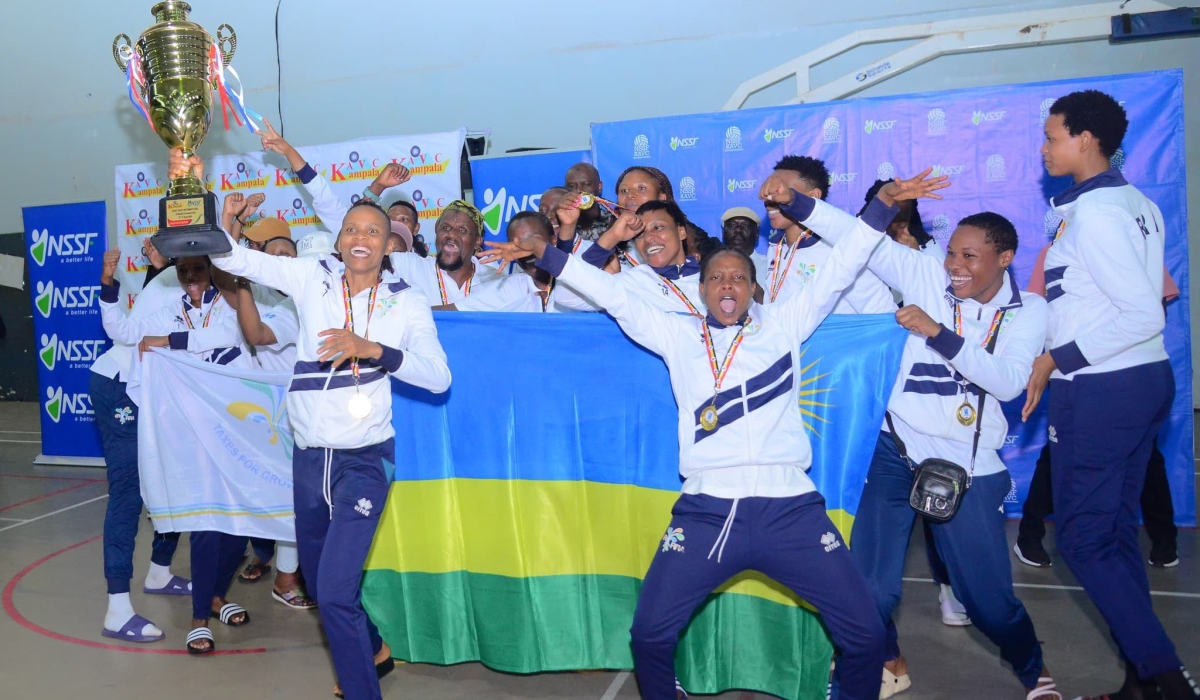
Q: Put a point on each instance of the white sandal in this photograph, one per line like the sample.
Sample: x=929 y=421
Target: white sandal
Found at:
x=1044 y=690
x=893 y=684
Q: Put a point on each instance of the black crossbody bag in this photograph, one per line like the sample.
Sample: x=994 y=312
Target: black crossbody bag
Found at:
x=939 y=485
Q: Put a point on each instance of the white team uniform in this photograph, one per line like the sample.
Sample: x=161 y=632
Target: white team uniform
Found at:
x=1104 y=280
x=318 y=396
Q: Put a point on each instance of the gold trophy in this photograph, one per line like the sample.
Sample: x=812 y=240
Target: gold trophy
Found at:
x=172 y=71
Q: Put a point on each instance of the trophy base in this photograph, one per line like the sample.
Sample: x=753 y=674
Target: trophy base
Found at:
x=188 y=225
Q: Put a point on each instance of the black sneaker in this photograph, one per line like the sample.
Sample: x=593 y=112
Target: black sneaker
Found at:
x=1177 y=685
x=1164 y=558
x=1032 y=554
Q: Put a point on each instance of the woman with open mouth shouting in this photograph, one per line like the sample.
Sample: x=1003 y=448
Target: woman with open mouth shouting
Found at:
x=743 y=451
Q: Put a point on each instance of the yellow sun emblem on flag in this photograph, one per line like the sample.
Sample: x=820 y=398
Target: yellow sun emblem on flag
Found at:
x=813 y=396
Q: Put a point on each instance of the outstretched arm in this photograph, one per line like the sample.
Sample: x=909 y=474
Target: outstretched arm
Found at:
x=329 y=209
x=653 y=329
x=804 y=312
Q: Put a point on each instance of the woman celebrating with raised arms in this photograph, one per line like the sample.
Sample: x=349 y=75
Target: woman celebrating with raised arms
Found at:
x=743 y=450
x=358 y=326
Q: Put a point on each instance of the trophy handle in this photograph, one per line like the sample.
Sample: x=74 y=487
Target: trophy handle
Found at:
x=122 y=51
x=224 y=40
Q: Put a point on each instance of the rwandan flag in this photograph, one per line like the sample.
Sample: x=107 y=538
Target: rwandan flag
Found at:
x=531 y=497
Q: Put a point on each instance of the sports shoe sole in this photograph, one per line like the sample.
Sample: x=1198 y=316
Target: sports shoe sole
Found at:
x=1028 y=562
x=1168 y=565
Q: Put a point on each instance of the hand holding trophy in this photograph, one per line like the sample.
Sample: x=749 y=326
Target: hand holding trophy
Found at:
x=171 y=71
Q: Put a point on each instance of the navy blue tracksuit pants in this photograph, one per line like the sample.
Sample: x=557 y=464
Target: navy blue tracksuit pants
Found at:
x=339 y=496
x=116 y=416
x=1102 y=429
x=789 y=539
x=973 y=547
x=215 y=559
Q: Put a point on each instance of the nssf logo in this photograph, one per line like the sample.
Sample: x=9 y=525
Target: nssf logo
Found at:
x=677 y=143
x=735 y=185
x=871 y=125
x=50 y=297
x=54 y=350
x=65 y=245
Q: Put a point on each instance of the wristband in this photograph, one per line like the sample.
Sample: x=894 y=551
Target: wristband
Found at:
x=368 y=194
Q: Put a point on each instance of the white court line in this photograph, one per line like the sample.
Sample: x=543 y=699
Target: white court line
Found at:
x=56 y=512
x=615 y=686
x=31 y=432
x=15 y=520
x=1165 y=594
x=29 y=442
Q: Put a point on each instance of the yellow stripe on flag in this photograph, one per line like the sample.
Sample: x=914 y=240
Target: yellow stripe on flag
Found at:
x=525 y=529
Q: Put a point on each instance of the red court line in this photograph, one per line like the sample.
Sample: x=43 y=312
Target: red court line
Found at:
x=52 y=493
x=53 y=478
x=11 y=609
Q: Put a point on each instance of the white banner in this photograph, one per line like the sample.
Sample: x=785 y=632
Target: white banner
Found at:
x=433 y=160
x=214 y=446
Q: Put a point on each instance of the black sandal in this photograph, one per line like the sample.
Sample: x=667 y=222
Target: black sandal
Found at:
x=254 y=572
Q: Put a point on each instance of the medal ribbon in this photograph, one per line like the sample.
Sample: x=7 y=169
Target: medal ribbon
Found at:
x=207 y=315
x=442 y=287
x=1062 y=227
x=627 y=259
x=777 y=279
x=720 y=371
x=350 y=317
x=682 y=297
x=992 y=330
x=545 y=295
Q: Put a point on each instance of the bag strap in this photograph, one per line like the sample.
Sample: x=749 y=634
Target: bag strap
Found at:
x=990 y=349
x=887 y=416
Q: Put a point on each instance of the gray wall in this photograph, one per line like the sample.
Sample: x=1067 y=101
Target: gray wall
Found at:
x=536 y=73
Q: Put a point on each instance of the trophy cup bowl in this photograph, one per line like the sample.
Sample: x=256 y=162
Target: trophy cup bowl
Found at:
x=173 y=55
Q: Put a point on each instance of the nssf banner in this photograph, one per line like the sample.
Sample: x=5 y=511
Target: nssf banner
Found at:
x=433 y=159
x=65 y=244
x=507 y=185
x=987 y=140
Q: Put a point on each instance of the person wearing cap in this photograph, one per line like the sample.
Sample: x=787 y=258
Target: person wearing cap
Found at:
x=401 y=238
x=444 y=279
x=739 y=230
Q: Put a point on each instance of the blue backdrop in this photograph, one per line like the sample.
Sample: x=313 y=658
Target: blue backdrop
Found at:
x=507 y=185
x=987 y=140
x=65 y=244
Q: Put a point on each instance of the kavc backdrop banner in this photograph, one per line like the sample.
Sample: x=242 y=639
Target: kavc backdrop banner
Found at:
x=433 y=159
x=66 y=244
x=506 y=185
x=525 y=514
x=988 y=141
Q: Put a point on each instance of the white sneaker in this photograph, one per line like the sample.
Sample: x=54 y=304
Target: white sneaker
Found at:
x=893 y=684
x=953 y=612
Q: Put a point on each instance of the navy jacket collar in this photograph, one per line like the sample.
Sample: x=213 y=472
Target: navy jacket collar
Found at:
x=1109 y=178
x=781 y=238
x=690 y=266
x=1013 y=302
x=208 y=295
x=713 y=322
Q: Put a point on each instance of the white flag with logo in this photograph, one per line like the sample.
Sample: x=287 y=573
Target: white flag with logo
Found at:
x=214 y=446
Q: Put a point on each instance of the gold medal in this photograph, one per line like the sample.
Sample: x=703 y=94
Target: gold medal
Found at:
x=359 y=406
x=708 y=418
x=586 y=200
x=965 y=413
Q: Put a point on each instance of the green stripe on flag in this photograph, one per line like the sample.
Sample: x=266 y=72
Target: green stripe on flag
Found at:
x=578 y=622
